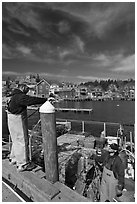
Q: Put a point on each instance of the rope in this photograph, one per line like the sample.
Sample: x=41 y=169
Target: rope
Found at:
x=128 y=152
x=37 y=124
x=33 y=113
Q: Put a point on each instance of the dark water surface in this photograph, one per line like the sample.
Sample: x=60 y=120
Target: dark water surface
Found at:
x=103 y=111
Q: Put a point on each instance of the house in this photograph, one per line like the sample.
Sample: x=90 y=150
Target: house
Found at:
x=82 y=91
x=96 y=92
x=128 y=91
x=42 y=89
x=67 y=93
x=67 y=85
x=54 y=88
x=130 y=86
x=132 y=94
x=112 y=87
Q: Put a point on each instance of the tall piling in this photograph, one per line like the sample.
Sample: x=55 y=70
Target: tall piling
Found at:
x=48 y=127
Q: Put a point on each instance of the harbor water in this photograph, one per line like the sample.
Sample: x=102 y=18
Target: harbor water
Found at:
x=117 y=112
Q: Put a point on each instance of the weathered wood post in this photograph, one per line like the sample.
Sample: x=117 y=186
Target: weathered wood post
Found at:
x=48 y=127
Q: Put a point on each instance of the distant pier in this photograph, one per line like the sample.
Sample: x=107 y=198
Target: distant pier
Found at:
x=65 y=109
x=73 y=109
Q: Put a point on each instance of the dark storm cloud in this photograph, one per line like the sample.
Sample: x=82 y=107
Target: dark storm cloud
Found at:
x=70 y=33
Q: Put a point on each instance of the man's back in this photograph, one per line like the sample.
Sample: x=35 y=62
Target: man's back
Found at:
x=19 y=101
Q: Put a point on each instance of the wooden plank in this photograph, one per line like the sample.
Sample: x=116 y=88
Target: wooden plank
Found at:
x=61 y=197
x=38 y=189
x=72 y=195
x=8 y=195
x=38 y=172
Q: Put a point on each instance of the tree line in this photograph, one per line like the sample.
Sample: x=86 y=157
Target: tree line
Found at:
x=105 y=83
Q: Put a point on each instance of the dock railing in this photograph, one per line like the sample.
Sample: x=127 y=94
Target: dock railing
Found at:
x=94 y=128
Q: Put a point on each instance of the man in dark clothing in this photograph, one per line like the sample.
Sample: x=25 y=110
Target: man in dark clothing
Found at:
x=18 y=125
x=100 y=158
x=19 y=100
x=112 y=182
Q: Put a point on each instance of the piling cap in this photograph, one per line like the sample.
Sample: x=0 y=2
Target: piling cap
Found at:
x=47 y=107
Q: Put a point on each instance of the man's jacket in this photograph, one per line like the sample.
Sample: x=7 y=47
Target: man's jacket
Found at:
x=19 y=102
x=113 y=163
x=116 y=165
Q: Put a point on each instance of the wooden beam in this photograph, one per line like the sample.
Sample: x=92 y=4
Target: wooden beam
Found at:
x=39 y=190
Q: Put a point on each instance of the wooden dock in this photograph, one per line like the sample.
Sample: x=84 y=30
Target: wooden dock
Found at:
x=74 y=109
x=8 y=195
x=35 y=186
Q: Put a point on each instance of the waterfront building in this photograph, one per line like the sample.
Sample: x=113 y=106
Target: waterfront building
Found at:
x=95 y=92
x=130 y=86
x=54 y=88
x=65 y=85
x=42 y=89
x=130 y=90
x=127 y=91
x=82 y=91
x=67 y=93
x=132 y=94
x=98 y=91
x=107 y=95
x=113 y=88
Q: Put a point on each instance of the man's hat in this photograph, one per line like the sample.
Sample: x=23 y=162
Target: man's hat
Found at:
x=114 y=146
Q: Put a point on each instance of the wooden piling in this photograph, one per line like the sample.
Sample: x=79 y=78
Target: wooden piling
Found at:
x=48 y=127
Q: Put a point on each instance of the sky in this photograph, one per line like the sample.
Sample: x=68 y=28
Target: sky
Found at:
x=69 y=41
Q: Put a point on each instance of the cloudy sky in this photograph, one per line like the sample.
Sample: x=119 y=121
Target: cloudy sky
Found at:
x=69 y=41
